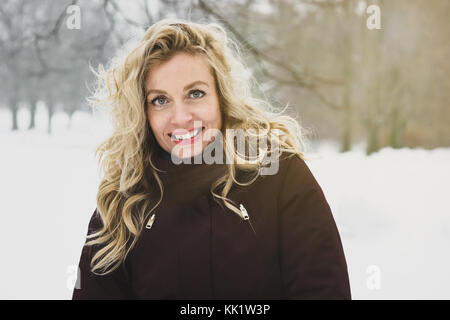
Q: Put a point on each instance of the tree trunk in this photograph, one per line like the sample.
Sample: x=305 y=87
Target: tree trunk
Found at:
x=50 y=108
x=373 y=143
x=346 y=135
x=14 y=107
x=375 y=118
x=33 y=104
x=396 y=130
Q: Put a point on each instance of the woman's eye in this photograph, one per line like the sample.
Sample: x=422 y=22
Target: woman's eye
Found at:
x=161 y=100
x=158 y=101
x=196 y=94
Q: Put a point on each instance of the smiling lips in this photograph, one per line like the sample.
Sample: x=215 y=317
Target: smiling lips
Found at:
x=185 y=138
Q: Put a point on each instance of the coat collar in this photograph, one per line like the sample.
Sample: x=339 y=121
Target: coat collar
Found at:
x=183 y=182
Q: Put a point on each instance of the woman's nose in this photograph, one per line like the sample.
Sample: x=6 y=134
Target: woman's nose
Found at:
x=181 y=114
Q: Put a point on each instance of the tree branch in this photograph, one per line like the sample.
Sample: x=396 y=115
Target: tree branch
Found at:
x=309 y=82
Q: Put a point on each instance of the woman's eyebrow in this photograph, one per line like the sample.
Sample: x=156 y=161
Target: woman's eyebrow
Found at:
x=187 y=87
x=194 y=84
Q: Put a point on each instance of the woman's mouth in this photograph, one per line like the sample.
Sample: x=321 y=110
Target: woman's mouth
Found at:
x=187 y=138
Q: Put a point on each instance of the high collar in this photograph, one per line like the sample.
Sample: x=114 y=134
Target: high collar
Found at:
x=163 y=161
x=185 y=181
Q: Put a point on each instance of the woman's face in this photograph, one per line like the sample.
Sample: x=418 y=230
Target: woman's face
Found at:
x=179 y=92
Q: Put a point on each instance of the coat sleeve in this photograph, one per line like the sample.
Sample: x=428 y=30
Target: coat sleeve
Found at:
x=313 y=264
x=90 y=286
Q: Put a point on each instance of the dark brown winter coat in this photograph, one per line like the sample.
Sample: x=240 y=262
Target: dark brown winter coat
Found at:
x=196 y=248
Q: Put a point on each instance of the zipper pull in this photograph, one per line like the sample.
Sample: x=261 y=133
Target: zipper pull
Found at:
x=246 y=217
x=150 y=221
x=244 y=212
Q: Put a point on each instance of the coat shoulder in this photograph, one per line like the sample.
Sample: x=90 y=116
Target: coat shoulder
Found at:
x=292 y=167
x=292 y=178
x=95 y=222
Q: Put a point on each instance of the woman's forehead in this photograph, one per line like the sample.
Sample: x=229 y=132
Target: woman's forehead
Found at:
x=182 y=69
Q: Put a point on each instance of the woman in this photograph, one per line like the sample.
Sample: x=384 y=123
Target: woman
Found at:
x=254 y=224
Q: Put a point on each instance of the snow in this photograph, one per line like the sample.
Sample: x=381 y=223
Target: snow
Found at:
x=392 y=210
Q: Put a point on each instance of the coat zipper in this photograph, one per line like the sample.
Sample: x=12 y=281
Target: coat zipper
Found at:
x=150 y=221
x=246 y=217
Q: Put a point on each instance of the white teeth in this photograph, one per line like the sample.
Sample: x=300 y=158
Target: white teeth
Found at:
x=188 y=135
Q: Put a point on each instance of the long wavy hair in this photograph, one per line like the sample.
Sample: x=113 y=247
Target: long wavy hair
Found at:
x=123 y=200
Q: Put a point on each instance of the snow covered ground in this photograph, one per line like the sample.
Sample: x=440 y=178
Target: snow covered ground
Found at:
x=392 y=209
